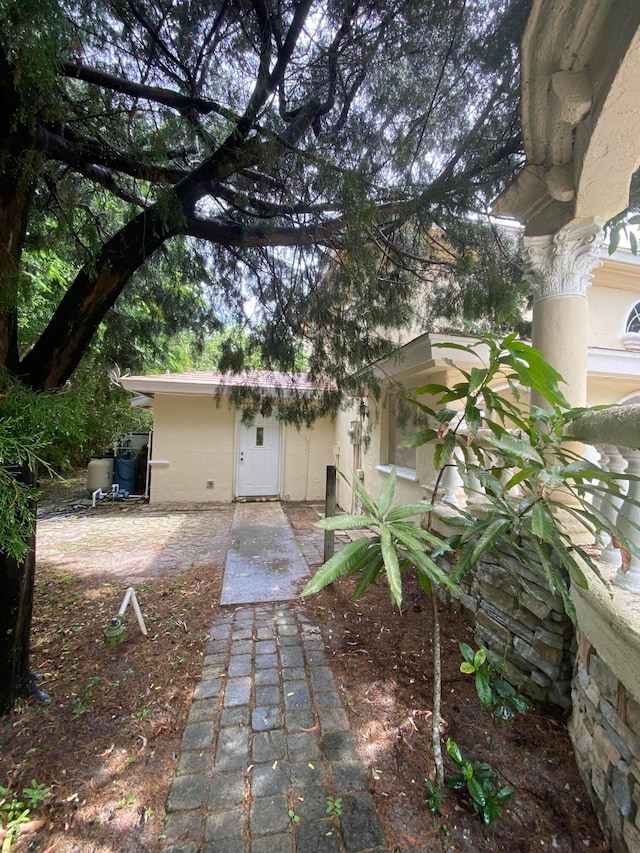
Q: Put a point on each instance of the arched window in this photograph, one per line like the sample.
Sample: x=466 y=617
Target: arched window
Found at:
x=633 y=320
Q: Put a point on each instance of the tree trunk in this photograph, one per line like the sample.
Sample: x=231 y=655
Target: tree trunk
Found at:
x=17 y=155
x=16 y=604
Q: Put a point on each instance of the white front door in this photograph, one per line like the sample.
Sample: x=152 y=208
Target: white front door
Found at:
x=258 y=468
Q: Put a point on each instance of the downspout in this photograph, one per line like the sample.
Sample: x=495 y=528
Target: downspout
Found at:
x=307 y=454
x=147 y=484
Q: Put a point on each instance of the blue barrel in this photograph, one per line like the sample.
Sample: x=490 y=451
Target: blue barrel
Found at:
x=125 y=473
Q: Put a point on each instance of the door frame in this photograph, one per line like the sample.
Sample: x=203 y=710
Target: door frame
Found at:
x=280 y=451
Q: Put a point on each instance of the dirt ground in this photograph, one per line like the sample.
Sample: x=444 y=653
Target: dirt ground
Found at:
x=107 y=744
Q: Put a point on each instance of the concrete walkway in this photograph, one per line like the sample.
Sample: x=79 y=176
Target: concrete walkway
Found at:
x=267 y=762
x=264 y=562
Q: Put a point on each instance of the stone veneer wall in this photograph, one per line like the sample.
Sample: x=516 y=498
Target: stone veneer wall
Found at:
x=518 y=620
x=522 y=622
x=605 y=731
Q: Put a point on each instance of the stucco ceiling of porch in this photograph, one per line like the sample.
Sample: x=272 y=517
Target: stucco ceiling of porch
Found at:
x=580 y=111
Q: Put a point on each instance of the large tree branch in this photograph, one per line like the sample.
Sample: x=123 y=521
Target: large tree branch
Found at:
x=157 y=94
x=78 y=151
x=266 y=85
x=226 y=233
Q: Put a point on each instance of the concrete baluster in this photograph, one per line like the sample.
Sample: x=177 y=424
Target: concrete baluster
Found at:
x=609 y=505
x=473 y=488
x=628 y=576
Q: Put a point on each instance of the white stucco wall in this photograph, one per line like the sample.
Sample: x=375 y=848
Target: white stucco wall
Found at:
x=195 y=441
x=197 y=438
x=306 y=454
x=375 y=452
x=609 y=308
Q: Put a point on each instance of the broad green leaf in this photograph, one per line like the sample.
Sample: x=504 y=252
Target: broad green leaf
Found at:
x=519 y=477
x=463 y=564
x=420 y=438
x=470 y=349
x=543 y=524
x=407 y=537
x=476 y=379
x=492 y=533
x=614 y=240
x=373 y=569
x=441 y=545
x=392 y=568
x=445 y=416
x=433 y=570
x=388 y=490
x=467 y=668
x=456 y=782
x=346 y=522
x=521 y=703
x=425 y=582
x=577 y=575
x=483 y=690
x=477 y=792
x=337 y=566
x=504 y=795
x=479 y=658
x=366 y=498
x=408 y=511
x=490 y=812
x=433 y=389
x=467 y=769
x=515 y=447
x=473 y=418
x=453 y=751
x=466 y=651
x=503 y=688
x=555 y=580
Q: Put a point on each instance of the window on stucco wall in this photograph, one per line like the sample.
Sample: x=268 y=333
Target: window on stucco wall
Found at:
x=633 y=321
x=401 y=425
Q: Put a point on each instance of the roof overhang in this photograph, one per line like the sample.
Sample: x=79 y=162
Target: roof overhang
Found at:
x=428 y=354
x=206 y=383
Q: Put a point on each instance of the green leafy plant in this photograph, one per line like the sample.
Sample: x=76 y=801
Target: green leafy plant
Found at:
x=522 y=465
x=434 y=795
x=497 y=696
x=293 y=816
x=334 y=806
x=397 y=544
x=479 y=779
x=36 y=793
x=14 y=812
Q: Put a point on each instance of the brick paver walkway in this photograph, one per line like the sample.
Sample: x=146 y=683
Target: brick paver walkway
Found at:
x=267 y=748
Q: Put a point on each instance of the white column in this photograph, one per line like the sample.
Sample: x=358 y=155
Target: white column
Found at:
x=559 y=266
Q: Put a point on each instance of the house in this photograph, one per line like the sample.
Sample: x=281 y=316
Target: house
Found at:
x=203 y=451
x=201 y=444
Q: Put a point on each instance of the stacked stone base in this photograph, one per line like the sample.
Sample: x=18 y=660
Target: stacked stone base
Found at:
x=521 y=622
x=605 y=731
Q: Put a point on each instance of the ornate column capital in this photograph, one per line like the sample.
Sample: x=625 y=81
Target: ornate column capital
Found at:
x=561 y=264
